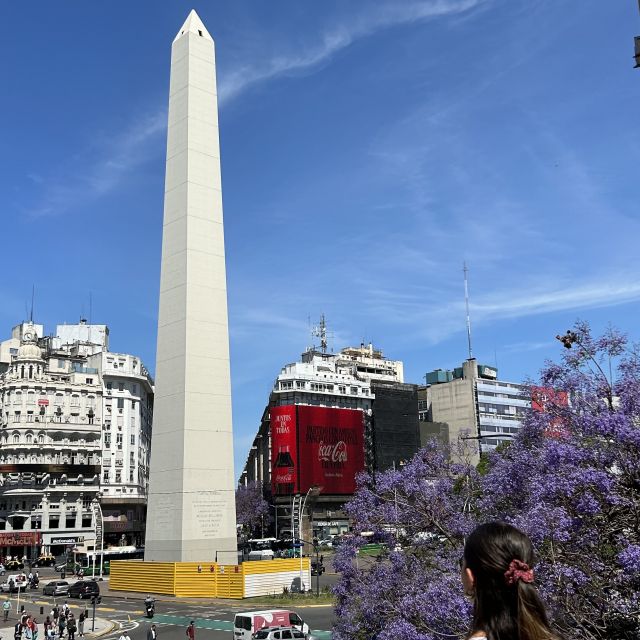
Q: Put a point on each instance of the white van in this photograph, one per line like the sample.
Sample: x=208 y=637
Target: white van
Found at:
x=261 y=554
x=246 y=624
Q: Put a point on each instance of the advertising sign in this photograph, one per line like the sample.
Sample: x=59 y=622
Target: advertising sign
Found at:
x=67 y=540
x=284 y=450
x=330 y=448
x=548 y=400
x=20 y=538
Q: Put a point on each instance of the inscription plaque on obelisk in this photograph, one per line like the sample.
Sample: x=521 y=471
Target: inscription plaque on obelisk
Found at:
x=191 y=509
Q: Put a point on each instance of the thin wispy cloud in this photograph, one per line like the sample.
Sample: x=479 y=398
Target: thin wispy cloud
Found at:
x=436 y=321
x=113 y=163
x=376 y=18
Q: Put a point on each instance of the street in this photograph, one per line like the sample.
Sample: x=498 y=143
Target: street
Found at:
x=213 y=620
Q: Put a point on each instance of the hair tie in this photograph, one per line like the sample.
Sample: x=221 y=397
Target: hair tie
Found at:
x=518 y=570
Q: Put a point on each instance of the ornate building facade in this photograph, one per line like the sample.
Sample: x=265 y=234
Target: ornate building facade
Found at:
x=50 y=449
x=75 y=441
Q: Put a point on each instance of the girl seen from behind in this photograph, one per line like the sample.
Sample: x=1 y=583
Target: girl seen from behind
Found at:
x=496 y=570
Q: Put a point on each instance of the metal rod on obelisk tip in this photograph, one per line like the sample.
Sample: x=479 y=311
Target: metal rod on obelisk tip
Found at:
x=191 y=472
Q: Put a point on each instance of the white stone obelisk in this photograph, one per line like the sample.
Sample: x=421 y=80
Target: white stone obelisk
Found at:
x=191 y=509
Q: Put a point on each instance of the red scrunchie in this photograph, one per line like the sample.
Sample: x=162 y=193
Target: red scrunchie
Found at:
x=518 y=570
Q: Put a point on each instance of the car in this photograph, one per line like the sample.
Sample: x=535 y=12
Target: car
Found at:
x=56 y=588
x=14 y=565
x=14 y=582
x=2 y=569
x=84 y=589
x=45 y=560
x=280 y=633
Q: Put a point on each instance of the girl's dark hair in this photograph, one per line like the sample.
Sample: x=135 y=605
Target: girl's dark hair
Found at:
x=503 y=611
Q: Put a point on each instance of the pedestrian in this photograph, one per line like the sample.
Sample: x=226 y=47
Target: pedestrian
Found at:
x=65 y=609
x=6 y=607
x=62 y=623
x=71 y=627
x=28 y=628
x=17 y=631
x=497 y=572
x=55 y=613
x=47 y=626
x=35 y=629
x=191 y=631
x=152 y=634
x=81 y=625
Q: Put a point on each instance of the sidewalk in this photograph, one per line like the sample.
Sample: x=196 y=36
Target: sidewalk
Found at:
x=102 y=626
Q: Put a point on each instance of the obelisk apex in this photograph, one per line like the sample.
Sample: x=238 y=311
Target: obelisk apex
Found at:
x=191 y=512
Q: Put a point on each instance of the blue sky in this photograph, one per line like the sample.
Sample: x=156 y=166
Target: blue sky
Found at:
x=368 y=148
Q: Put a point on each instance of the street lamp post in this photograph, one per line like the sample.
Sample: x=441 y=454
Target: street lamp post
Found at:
x=315 y=490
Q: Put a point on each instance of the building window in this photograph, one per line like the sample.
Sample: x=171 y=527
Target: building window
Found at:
x=16 y=416
x=29 y=438
x=58 y=399
x=134 y=389
x=31 y=397
x=120 y=403
x=130 y=475
x=132 y=458
x=16 y=438
x=105 y=476
x=75 y=400
x=29 y=416
x=40 y=438
x=120 y=386
x=107 y=440
x=108 y=386
x=133 y=438
x=118 y=475
x=300 y=384
x=354 y=391
x=133 y=422
x=17 y=399
x=88 y=380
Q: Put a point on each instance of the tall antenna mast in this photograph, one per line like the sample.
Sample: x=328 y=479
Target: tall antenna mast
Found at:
x=466 y=301
x=33 y=293
x=321 y=332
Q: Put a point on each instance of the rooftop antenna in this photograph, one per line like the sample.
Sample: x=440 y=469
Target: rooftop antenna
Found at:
x=320 y=331
x=33 y=293
x=466 y=301
x=90 y=306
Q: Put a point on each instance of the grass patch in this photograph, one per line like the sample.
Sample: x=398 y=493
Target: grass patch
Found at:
x=277 y=600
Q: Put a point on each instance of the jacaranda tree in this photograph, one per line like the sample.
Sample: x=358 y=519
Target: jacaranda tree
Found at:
x=570 y=480
x=252 y=510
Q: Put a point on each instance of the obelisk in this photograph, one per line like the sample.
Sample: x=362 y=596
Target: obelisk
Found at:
x=191 y=508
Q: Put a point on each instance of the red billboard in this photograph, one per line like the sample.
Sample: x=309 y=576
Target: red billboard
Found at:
x=548 y=400
x=284 y=451
x=315 y=447
x=330 y=448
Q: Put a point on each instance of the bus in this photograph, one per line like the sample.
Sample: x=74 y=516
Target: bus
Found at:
x=98 y=562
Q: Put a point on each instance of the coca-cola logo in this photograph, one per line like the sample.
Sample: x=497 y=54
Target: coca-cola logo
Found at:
x=281 y=478
x=332 y=452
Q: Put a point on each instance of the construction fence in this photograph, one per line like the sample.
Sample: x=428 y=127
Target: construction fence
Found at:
x=211 y=580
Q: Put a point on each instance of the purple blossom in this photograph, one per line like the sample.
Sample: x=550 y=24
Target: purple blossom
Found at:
x=570 y=480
